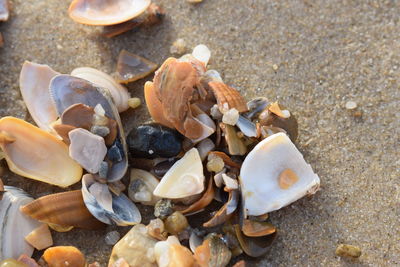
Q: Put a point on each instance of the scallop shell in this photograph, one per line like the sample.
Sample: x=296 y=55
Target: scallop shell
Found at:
x=65 y=209
x=106 y=12
x=67 y=90
x=34 y=82
x=15 y=225
x=36 y=154
x=261 y=175
x=227 y=97
x=108 y=207
x=119 y=93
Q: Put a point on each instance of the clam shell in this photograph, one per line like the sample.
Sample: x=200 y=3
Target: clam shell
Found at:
x=15 y=225
x=213 y=252
x=65 y=209
x=185 y=178
x=226 y=211
x=131 y=67
x=109 y=12
x=34 y=82
x=227 y=97
x=67 y=90
x=261 y=171
x=118 y=210
x=119 y=93
x=37 y=154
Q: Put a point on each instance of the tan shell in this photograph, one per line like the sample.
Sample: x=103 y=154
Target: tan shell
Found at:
x=254 y=228
x=131 y=67
x=66 y=209
x=106 y=12
x=228 y=97
x=37 y=154
x=154 y=105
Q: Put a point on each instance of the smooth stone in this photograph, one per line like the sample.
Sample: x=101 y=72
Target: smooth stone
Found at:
x=87 y=149
x=154 y=141
x=102 y=131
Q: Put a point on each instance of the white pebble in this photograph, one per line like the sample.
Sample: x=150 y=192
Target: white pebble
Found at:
x=351 y=105
x=231 y=117
x=202 y=53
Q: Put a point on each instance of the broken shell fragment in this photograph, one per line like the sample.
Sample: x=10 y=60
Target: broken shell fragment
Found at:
x=136 y=248
x=87 y=149
x=254 y=246
x=37 y=154
x=34 y=82
x=203 y=202
x=141 y=187
x=119 y=93
x=185 y=178
x=254 y=228
x=65 y=209
x=154 y=105
x=62 y=130
x=117 y=209
x=256 y=106
x=236 y=145
x=261 y=171
x=40 y=238
x=131 y=67
x=225 y=212
x=213 y=252
x=227 y=97
x=64 y=256
x=15 y=225
x=99 y=12
x=202 y=53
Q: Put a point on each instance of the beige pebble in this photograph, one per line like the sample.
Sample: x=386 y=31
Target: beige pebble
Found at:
x=349 y=251
x=350 y=105
x=275 y=67
x=134 y=102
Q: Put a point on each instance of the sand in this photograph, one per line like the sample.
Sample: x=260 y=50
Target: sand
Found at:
x=312 y=56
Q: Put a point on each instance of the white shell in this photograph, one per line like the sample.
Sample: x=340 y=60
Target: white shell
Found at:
x=34 y=82
x=161 y=250
x=259 y=174
x=202 y=53
x=119 y=93
x=15 y=225
x=185 y=178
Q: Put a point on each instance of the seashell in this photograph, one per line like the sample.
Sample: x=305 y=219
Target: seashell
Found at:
x=63 y=130
x=4 y=10
x=247 y=127
x=108 y=209
x=34 y=82
x=255 y=107
x=99 y=12
x=131 y=67
x=154 y=105
x=28 y=261
x=265 y=173
x=202 y=53
x=254 y=246
x=12 y=263
x=241 y=263
x=40 y=238
x=141 y=187
x=160 y=169
x=236 y=146
x=67 y=90
x=60 y=228
x=204 y=147
x=212 y=76
x=227 y=97
x=227 y=160
x=119 y=93
x=154 y=141
x=185 y=178
x=213 y=252
x=205 y=122
x=64 y=256
x=15 y=226
x=203 y=202
x=254 y=228
x=111 y=31
x=36 y=154
x=156 y=229
x=194 y=241
x=225 y=212
x=289 y=124
x=179 y=255
x=136 y=248
x=65 y=209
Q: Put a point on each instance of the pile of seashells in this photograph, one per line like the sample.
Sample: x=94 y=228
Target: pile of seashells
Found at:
x=208 y=157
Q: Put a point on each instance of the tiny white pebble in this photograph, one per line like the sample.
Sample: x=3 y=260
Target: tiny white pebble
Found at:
x=151 y=152
x=351 y=105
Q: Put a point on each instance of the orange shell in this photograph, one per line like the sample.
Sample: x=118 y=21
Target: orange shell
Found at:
x=64 y=256
x=154 y=105
x=226 y=94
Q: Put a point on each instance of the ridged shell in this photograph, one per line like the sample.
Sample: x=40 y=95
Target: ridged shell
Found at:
x=66 y=209
x=100 y=12
x=37 y=154
x=228 y=97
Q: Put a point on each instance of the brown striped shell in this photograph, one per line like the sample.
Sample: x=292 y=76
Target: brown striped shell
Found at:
x=228 y=97
x=66 y=209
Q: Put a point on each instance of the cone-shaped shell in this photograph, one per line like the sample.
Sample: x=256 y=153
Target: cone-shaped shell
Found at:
x=106 y=12
x=66 y=209
x=36 y=154
x=227 y=97
x=34 y=82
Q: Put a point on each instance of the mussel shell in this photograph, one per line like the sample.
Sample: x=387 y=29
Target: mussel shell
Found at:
x=124 y=211
x=67 y=90
x=254 y=246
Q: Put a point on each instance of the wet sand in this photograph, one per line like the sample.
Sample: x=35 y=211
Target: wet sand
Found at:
x=312 y=56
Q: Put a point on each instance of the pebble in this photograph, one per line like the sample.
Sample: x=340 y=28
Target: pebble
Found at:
x=350 y=105
x=163 y=208
x=112 y=238
x=115 y=153
x=103 y=171
x=102 y=131
x=349 y=251
x=275 y=67
x=178 y=47
x=231 y=117
x=134 y=102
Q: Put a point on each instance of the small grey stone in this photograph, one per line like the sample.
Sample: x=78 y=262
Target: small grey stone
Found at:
x=103 y=131
x=103 y=171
